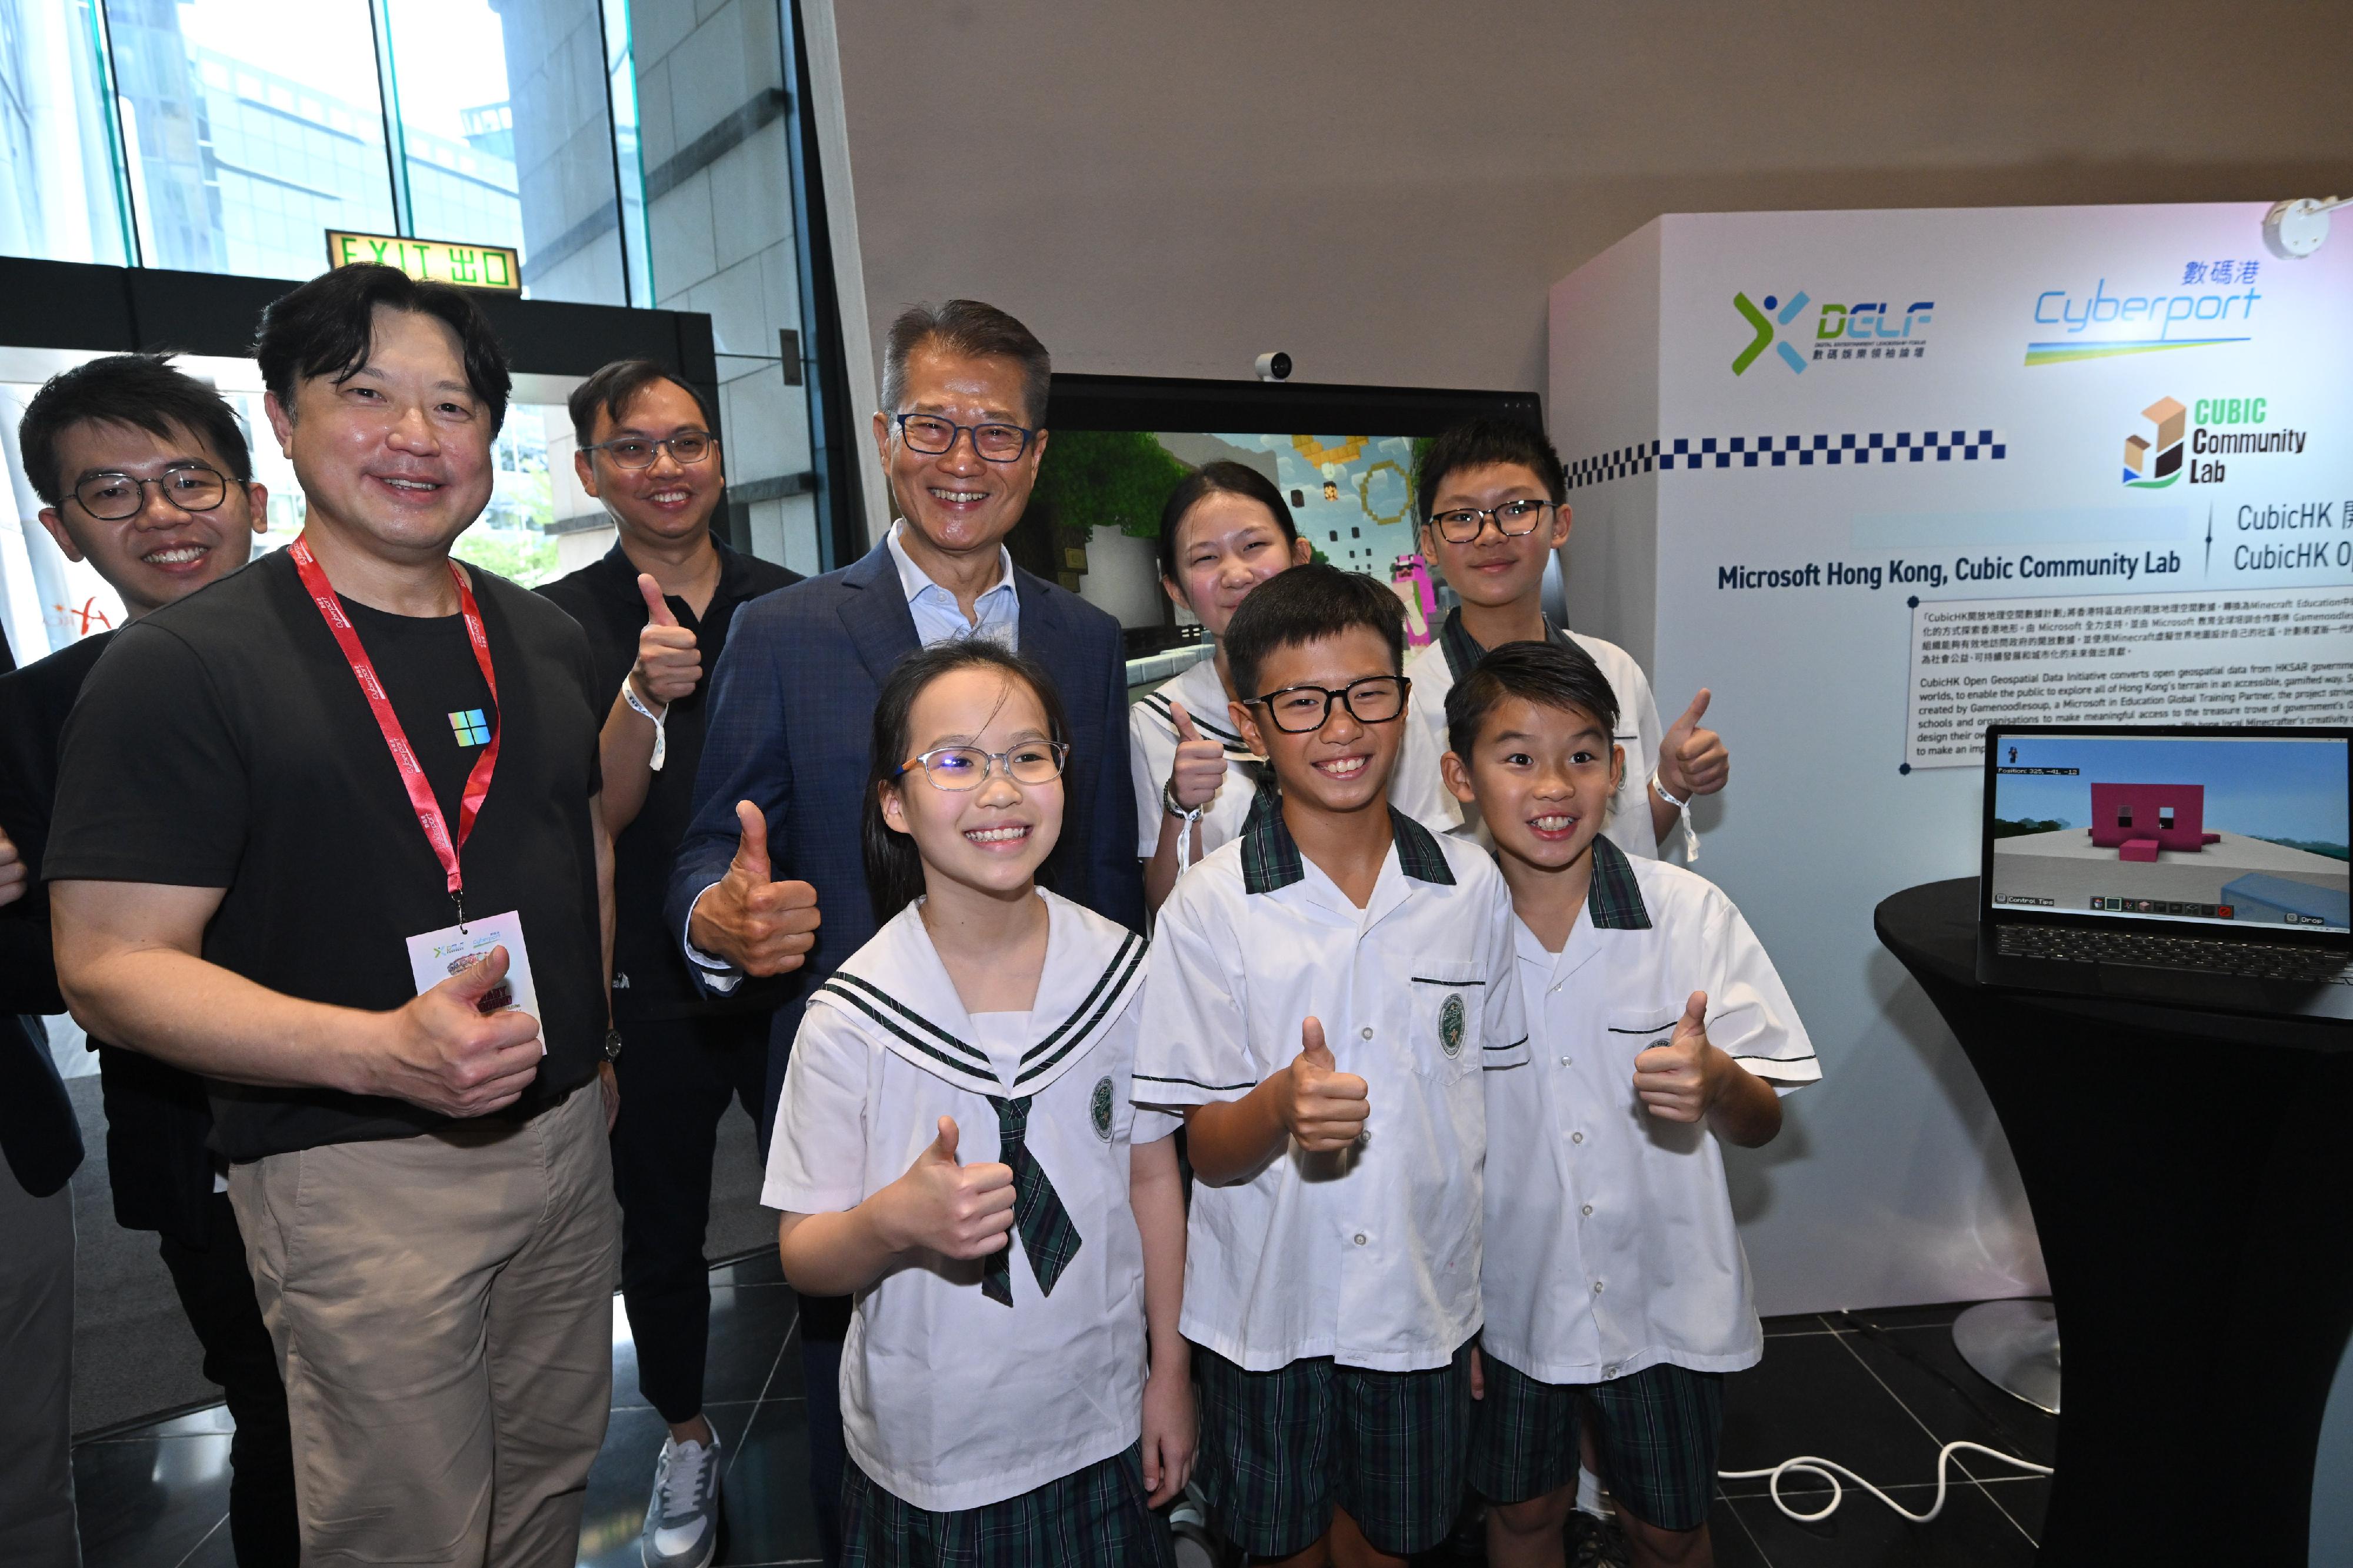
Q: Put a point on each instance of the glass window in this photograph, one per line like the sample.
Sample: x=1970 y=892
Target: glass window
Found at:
x=249 y=128
x=520 y=93
x=58 y=194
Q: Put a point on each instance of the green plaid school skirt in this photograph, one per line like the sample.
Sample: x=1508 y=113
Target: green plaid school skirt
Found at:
x=1093 y=1518
x=1280 y=1449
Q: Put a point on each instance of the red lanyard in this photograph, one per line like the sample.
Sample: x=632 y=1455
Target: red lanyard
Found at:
x=420 y=789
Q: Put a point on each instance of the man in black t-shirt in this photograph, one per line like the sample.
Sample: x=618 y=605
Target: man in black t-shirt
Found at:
x=328 y=833
x=145 y=475
x=657 y=609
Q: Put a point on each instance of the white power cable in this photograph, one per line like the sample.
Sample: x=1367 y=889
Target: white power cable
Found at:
x=1830 y=1471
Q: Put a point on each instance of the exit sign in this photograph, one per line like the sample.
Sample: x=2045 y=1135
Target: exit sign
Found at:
x=495 y=267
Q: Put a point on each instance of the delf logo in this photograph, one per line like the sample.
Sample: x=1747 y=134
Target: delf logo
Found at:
x=1765 y=334
x=2153 y=451
x=1865 y=329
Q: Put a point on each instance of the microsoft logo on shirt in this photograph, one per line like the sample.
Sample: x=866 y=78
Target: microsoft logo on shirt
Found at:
x=472 y=726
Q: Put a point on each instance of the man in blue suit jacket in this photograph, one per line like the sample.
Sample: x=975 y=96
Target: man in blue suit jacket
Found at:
x=776 y=831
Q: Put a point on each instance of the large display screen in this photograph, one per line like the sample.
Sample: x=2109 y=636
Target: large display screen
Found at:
x=2219 y=829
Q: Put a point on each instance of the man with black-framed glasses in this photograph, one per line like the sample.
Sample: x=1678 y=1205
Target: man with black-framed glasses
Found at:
x=145 y=473
x=657 y=609
x=783 y=783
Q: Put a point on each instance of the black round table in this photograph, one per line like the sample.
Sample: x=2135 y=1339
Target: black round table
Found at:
x=2192 y=1178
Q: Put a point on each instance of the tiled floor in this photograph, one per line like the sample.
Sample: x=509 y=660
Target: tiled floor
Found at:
x=1879 y=1392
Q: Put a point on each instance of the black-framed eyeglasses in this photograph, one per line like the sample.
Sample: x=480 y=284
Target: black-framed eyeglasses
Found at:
x=1303 y=709
x=112 y=498
x=961 y=768
x=934 y=437
x=1463 y=524
x=686 y=448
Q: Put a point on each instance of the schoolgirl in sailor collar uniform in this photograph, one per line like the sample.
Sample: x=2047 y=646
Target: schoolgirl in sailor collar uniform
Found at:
x=965 y=1172
x=1224 y=531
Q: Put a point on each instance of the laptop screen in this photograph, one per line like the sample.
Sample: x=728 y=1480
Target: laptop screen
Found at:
x=2222 y=830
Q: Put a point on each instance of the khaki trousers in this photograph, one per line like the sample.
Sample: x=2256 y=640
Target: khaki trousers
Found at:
x=443 y=1312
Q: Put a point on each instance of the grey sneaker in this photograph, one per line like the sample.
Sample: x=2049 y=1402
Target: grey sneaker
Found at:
x=682 y=1518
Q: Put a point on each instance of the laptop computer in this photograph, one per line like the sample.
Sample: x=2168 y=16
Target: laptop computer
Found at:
x=2196 y=865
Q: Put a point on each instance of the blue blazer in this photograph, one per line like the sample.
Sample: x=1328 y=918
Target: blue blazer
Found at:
x=792 y=709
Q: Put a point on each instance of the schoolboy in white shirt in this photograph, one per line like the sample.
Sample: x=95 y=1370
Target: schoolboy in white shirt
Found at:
x=1324 y=993
x=1493 y=512
x=1616 y=1291
x=956 y=1145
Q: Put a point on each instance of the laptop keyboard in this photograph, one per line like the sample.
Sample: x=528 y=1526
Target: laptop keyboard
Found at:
x=2259 y=960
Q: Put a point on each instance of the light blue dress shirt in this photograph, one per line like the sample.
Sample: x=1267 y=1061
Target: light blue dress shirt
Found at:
x=939 y=618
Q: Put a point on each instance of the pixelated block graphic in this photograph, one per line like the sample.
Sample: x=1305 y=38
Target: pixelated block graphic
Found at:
x=2169 y=417
x=2161 y=817
x=2136 y=455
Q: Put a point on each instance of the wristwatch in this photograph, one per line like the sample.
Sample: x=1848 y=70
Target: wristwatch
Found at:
x=612 y=1044
x=1168 y=800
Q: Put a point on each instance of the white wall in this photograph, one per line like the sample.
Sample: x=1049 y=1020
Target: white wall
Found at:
x=1386 y=189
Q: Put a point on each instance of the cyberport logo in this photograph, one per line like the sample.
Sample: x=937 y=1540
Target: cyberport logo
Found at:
x=2153 y=450
x=2071 y=326
x=1860 y=331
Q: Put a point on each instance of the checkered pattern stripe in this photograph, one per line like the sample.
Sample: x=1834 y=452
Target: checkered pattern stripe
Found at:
x=1618 y=463
x=1048 y=1237
x=1851 y=449
x=1088 y=1517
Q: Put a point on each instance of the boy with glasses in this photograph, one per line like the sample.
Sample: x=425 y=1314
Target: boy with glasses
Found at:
x=657 y=609
x=1324 y=992
x=144 y=472
x=1492 y=511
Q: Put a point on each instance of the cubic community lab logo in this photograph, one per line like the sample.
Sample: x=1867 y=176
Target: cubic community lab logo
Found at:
x=2173 y=439
x=1866 y=329
x=2151 y=465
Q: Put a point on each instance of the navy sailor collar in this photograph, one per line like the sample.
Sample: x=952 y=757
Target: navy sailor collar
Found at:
x=896 y=991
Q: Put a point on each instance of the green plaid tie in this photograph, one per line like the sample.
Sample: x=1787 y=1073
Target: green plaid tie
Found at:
x=1047 y=1233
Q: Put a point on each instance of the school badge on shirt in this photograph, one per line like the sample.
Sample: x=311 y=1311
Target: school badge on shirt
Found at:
x=1099 y=1108
x=1450 y=1026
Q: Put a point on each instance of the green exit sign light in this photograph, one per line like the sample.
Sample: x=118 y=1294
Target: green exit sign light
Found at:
x=496 y=266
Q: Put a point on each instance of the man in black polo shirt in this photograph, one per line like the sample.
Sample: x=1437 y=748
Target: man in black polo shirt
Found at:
x=657 y=609
x=145 y=475
x=328 y=833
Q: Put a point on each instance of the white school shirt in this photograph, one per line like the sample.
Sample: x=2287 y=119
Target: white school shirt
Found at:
x=1369 y=1255
x=950 y=1400
x=1420 y=790
x=1152 y=750
x=1610 y=1244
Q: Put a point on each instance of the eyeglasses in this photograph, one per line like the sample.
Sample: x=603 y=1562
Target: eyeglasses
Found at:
x=686 y=448
x=1513 y=518
x=112 y=498
x=934 y=437
x=1303 y=709
x=961 y=768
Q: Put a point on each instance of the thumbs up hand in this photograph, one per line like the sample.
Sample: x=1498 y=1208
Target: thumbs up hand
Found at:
x=1693 y=761
x=956 y=1211
x=443 y=1052
x=1322 y=1107
x=1199 y=766
x=669 y=662
x=1681 y=1080
x=760 y=926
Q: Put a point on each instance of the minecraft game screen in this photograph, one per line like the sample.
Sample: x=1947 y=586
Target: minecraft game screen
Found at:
x=2242 y=831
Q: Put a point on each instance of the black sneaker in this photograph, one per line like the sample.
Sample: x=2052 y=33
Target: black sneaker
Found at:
x=1596 y=1542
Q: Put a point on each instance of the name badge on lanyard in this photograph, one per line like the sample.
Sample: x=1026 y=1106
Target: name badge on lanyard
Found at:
x=435 y=955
